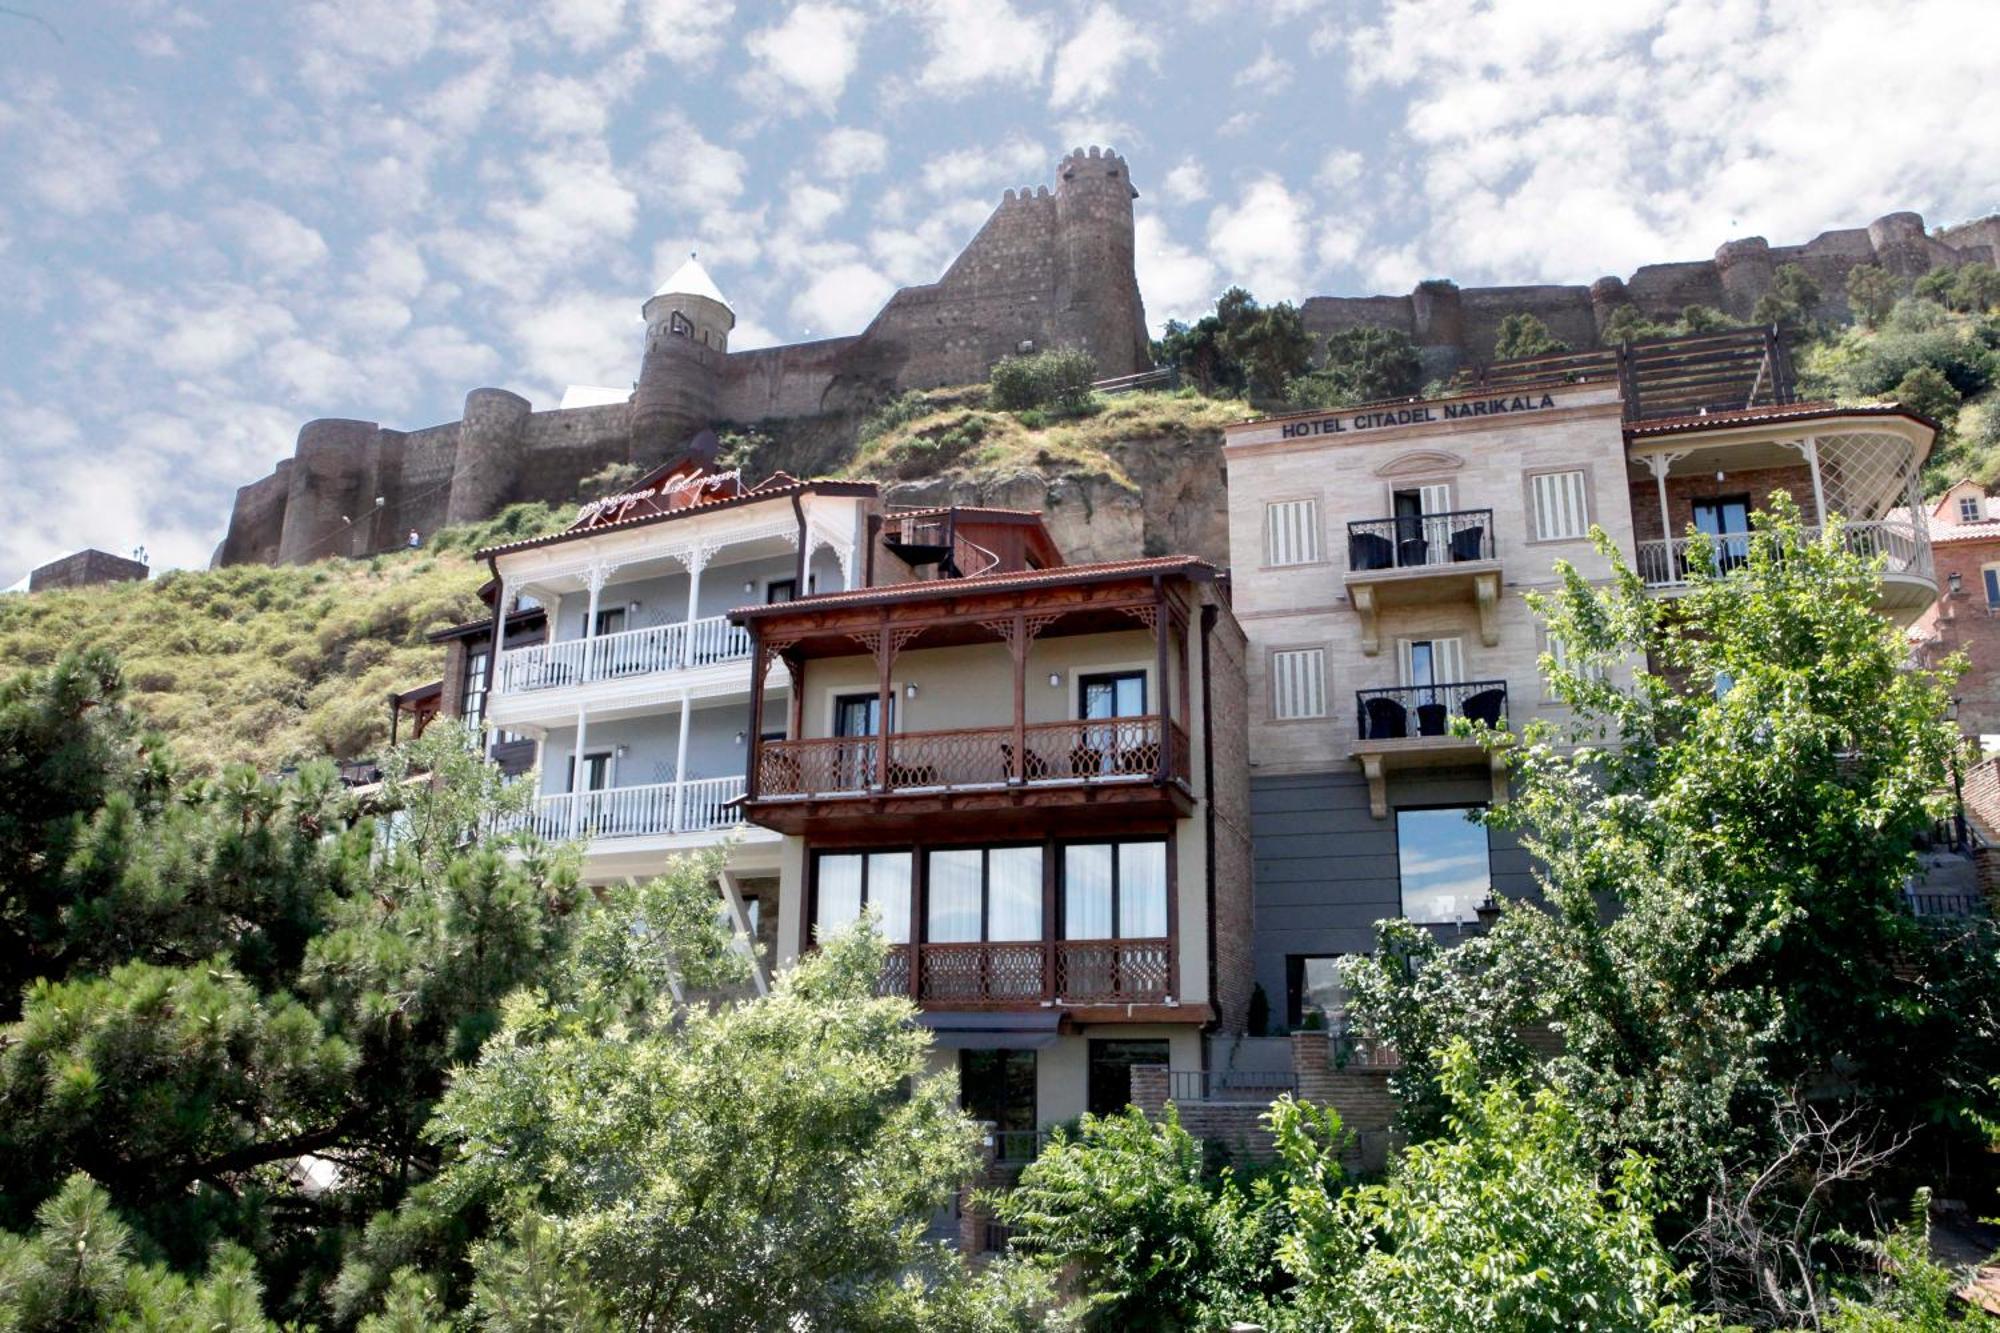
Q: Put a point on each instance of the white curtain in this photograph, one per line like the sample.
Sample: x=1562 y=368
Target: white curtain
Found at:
x=953 y=897
x=1014 y=893
x=1087 y=891
x=889 y=893
x=839 y=892
x=1142 y=890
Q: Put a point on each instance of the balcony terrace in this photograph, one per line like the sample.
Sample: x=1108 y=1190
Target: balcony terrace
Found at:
x=1410 y=726
x=1412 y=560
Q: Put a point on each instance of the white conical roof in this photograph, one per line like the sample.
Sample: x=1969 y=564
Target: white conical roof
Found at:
x=691 y=279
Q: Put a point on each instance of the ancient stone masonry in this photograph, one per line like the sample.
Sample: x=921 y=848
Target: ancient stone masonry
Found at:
x=1453 y=326
x=1049 y=267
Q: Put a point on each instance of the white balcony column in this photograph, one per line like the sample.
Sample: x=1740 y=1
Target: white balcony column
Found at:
x=1658 y=465
x=596 y=575
x=681 y=769
x=696 y=560
x=579 y=773
x=1810 y=448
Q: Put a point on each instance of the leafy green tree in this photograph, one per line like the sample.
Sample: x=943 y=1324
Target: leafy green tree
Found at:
x=1754 y=939
x=1521 y=334
x=1935 y=286
x=1270 y=344
x=1976 y=288
x=1362 y=365
x=1925 y=390
x=1505 y=1223
x=1629 y=324
x=1055 y=379
x=1703 y=319
x=1792 y=301
x=1159 y=1241
x=1872 y=292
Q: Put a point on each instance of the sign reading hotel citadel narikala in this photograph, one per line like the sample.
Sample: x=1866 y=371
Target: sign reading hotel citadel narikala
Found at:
x=1415 y=415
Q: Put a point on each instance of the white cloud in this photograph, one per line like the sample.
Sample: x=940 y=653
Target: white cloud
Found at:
x=842 y=299
x=1340 y=168
x=849 y=152
x=1089 y=64
x=1259 y=240
x=579 y=338
x=1187 y=183
x=687 y=32
x=1267 y=73
x=971 y=43
x=921 y=253
x=815 y=50
x=459 y=104
x=228 y=325
x=585 y=24
x=554 y=108
x=1176 y=282
x=1012 y=164
x=681 y=166
x=275 y=240
x=810 y=207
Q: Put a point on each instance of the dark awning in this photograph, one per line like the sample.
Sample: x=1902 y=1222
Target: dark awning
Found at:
x=1024 y=1030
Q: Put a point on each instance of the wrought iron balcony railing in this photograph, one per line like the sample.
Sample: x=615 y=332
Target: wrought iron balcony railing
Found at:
x=1418 y=540
x=1404 y=711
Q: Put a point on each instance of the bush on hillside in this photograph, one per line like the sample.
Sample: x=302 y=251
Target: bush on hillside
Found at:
x=1363 y=365
x=1927 y=392
x=1521 y=334
x=517 y=522
x=1791 y=301
x=1058 y=379
x=1871 y=293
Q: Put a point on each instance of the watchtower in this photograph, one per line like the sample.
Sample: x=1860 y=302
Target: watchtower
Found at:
x=1099 y=304
x=687 y=336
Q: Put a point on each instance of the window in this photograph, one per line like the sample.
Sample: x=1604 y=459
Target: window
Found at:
x=1313 y=986
x=1991 y=575
x=1114 y=694
x=596 y=771
x=1726 y=519
x=846 y=882
x=1968 y=509
x=1291 y=532
x=611 y=620
x=781 y=590
x=1445 y=865
x=1115 y=890
x=1431 y=661
x=999 y=1087
x=1110 y=1079
x=983 y=893
x=474 y=694
x=1560 y=513
x=1298 y=683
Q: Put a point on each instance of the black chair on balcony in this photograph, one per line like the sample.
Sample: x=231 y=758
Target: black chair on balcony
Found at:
x=1468 y=543
x=1486 y=706
x=1432 y=719
x=1370 y=550
x=1384 y=720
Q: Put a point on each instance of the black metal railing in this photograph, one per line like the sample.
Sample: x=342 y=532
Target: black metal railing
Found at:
x=1427 y=710
x=1255 y=1086
x=1414 y=541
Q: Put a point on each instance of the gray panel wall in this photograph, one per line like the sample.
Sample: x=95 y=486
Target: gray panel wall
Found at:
x=1326 y=868
x=651 y=743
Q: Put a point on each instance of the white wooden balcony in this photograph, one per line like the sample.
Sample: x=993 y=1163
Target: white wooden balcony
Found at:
x=658 y=809
x=683 y=646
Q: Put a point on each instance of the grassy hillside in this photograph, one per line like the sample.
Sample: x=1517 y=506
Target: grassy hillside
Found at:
x=271 y=666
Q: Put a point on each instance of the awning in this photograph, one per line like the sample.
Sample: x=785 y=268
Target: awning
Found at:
x=1025 y=1030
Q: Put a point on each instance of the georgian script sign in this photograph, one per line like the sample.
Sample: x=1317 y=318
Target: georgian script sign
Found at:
x=1416 y=415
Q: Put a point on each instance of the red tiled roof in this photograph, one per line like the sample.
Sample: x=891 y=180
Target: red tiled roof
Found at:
x=1986 y=529
x=1750 y=416
x=929 y=510
x=765 y=490
x=1034 y=578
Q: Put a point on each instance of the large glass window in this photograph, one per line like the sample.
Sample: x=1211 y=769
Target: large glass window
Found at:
x=1314 y=992
x=1445 y=865
x=999 y=1087
x=847 y=882
x=474 y=693
x=983 y=893
x=1115 y=890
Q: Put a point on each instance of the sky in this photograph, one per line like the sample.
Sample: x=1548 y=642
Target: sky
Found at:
x=220 y=220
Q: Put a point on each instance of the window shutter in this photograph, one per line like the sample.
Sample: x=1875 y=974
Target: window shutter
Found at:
x=1291 y=532
x=1298 y=679
x=1449 y=662
x=1403 y=660
x=1434 y=499
x=1559 y=506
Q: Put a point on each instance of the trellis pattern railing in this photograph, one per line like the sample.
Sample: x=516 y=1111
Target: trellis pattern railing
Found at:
x=695 y=806
x=632 y=652
x=1007 y=972
x=1093 y=750
x=1664 y=563
x=1113 y=970
x=982 y=972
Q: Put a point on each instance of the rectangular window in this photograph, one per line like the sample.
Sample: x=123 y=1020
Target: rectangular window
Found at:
x=781 y=590
x=1313 y=986
x=611 y=620
x=1298 y=683
x=983 y=893
x=1291 y=532
x=1445 y=864
x=846 y=882
x=596 y=771
x=1992 y=586
x=1432 y=661
x=474 y=710
x=1968 y=509
x=1559 y=506
x=999 y=1087
x=1115 y=890
x=1108 y=1088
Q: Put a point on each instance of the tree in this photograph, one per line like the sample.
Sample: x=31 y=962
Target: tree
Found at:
x=1925 y=390
x=1521 y=334
x=1791 y=302
x=1935 y=286
x=1159 y=1242
x=1270 y=344
x=1976 y=288
x=1363 y=364
x=1504 y=1223
x=1754 y=939
x=1629 y=324
x=1057 y=379
x=1872 y=293
x=681 y=1165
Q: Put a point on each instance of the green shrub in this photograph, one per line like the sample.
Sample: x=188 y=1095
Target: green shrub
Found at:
x=1363 y=365
x=1058 y=379
x=898 y=411
x=1791 y=301
x=1927 y=392
x=1521 y=334
x=1871 y=293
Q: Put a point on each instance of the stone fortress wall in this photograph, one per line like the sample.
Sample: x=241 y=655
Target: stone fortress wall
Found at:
x=1049 y=267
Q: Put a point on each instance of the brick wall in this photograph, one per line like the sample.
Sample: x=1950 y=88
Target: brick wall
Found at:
x=1962 y=623
x=1682 y=492
x=1229 y=731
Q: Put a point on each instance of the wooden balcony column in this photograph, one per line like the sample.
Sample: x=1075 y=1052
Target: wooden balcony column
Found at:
x=1018 y=632
x=884 y=642
x=762 y=651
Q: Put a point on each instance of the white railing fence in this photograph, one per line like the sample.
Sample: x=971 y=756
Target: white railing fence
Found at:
x=1664 y=564
x=695 y=806
x=632 y=652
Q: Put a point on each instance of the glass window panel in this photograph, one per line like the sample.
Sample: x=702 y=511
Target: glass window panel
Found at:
x=1321 y=990
x=1445 y=866
x=1087 y=891
x=953 y=897
x=1142 y=890
x=889 y=893
x=839 y=892
x=1014 y=893
x=1993 y=587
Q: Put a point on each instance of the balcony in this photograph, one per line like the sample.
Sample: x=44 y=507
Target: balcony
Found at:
x=1409 y=726
x=684 y=646
x=1147 y=757
x=1908 y=577
x=659 y=809
x=1014 y=974
x=1423 y=559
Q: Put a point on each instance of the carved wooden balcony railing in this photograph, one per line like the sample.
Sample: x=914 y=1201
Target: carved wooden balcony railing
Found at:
x=1020 y=972
x=1096 y=750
